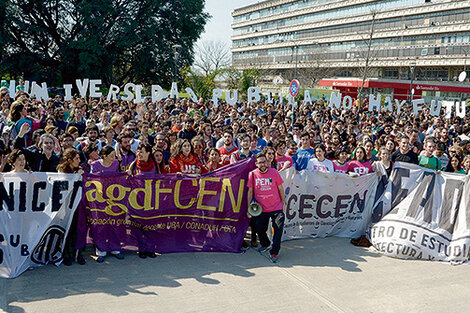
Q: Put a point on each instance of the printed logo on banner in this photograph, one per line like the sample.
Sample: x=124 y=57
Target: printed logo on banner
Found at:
x=50 y=246
x=327 y=204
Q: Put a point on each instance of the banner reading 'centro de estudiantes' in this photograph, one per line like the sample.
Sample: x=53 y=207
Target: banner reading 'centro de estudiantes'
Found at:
x=425 y=216
x=36 y=211
x=167 y=213
x=328 y=204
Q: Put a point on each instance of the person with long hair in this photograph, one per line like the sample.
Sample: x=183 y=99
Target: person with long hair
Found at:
x=390 y=144
x=383 y=165
x=214 y=160
x=144 y=162
x=198 y=147
x=466 y=164
x=183 y=160
x=319 y=162
x=106 y=164
x=159 y=158
x=454 y=165
x=270 y=154
x=70 y=164
x=18 y=116
x=359 y=165
x=17 y=161
x=369 y=147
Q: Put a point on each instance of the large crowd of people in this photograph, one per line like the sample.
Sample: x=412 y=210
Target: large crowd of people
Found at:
x=194 y=138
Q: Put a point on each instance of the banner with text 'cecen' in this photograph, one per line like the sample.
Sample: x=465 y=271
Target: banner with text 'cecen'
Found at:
x=36 y=210
x=425 y=216
x=167 y=213
x=327 y=204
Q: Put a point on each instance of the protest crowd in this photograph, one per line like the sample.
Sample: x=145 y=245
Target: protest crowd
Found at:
x=180 y=136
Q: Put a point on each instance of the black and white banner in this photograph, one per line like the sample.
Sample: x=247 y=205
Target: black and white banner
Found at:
x=327 y=204
x=36 y=210
x=425 y=215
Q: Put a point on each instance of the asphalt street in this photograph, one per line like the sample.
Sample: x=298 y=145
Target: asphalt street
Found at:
x=313 y=275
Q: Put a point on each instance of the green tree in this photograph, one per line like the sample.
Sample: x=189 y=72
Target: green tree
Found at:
x=116 y=40
x=248 y=79
x=201 y=84
x=211 y=61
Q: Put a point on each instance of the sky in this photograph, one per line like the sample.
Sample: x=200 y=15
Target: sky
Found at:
x=219 y=27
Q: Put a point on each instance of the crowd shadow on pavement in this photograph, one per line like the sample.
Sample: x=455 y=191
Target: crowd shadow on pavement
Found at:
x=128 y=276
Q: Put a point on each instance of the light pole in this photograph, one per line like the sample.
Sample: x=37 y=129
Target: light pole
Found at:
x=296 y=47
x=296 y=60
x=463 y=75
x=412 y=71
x=176 y=49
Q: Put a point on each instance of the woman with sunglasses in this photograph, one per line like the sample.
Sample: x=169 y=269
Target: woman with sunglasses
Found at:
x=270 y=156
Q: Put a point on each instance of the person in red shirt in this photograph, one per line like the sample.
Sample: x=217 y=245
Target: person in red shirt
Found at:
x=183 y=160
x=228 y=148
x=214 y=160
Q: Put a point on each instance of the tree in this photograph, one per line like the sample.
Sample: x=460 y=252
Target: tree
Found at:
x=202 y=85
x=211 y=64
x=116 y=40
x=248 y=78
x=212 y=56
x=232 y=78
x=365 y=71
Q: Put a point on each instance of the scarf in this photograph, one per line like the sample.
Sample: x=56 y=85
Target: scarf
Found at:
x=145 y=166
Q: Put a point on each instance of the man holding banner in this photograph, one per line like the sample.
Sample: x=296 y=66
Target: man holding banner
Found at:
x=265 y=184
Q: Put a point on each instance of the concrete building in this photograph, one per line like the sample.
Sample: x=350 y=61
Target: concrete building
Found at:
x=385 y=41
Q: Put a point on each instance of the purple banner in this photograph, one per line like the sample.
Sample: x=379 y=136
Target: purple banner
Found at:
x=167 y=213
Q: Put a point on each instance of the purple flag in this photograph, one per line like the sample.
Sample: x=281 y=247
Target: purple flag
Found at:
x=167 y=213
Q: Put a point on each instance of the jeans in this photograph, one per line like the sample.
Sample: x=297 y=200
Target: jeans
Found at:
x=277 y=221
x=253 y=229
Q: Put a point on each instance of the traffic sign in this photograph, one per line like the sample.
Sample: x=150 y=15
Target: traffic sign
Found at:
x=294 y=88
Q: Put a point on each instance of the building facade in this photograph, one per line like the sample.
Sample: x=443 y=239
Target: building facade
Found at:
x=424 y=40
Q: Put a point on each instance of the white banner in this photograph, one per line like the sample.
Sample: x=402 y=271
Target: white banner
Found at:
x=425 y=216
x=36 y=210
x=327 y=204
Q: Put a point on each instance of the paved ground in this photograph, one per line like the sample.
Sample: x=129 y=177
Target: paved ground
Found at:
x=313 y=275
